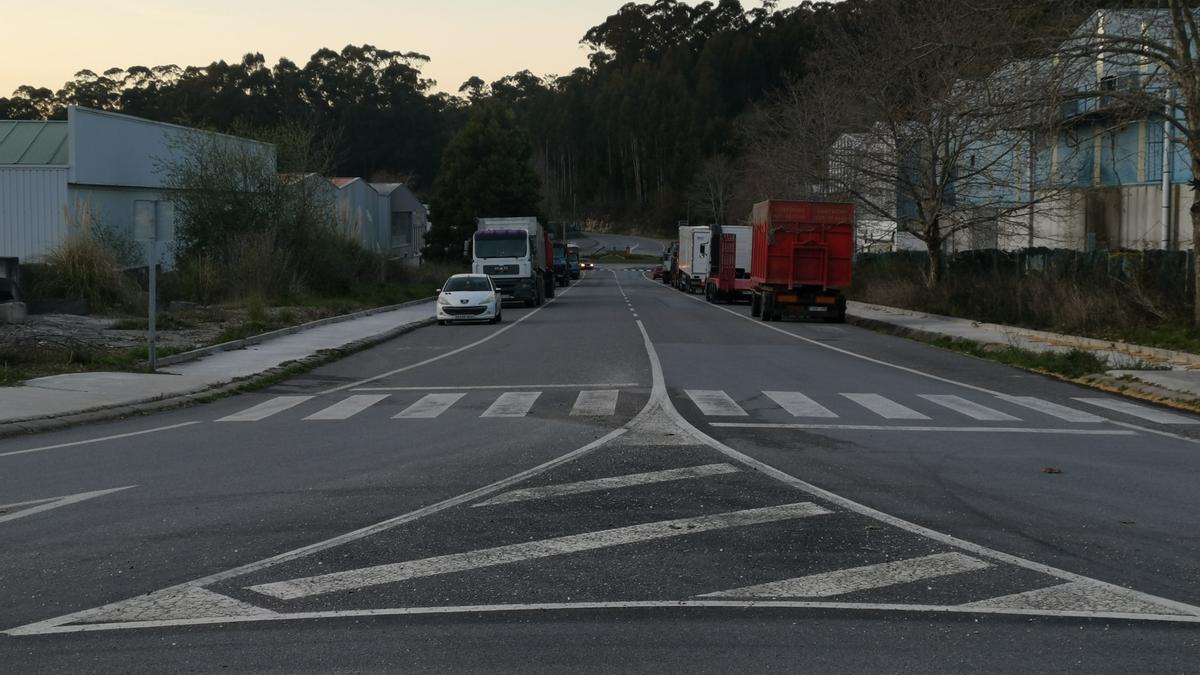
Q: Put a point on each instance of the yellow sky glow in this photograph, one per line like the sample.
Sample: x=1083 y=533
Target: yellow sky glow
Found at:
x=46 y=43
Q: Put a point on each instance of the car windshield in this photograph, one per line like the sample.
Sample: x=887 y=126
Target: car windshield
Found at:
x=508 y=247
x=463 y=284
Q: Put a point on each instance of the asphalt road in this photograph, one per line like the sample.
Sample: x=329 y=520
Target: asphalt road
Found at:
x=627 y=478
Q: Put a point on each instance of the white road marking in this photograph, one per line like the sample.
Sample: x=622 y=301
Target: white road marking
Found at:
x=98 y=440
x=1078 y=596
x=884 y=427
x=840 y=582
x=885 y=407
x=534 y=550
x=491 y=336
x=970 y=408
x=173 y=604
x=480 y=387
x=659 y=396
x=40 y=505
x=512 y=404
x=266 y=409
x=48 y=628
x=347 y=408
x=1141 y=412
x=610 y=483
x=599 y=403
x=715 y=403
x=1061 y=412
x=429 y=407
x=799 y=405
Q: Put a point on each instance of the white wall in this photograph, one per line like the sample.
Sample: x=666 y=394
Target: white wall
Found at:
x=32 y=204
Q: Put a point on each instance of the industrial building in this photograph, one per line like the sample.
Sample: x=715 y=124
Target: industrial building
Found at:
x=95 y=170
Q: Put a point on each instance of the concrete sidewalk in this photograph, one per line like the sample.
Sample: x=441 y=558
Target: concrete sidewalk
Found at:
x=1162 y=368
x=62 y=396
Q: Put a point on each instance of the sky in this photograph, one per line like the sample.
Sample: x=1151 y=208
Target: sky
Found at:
x=46 y=43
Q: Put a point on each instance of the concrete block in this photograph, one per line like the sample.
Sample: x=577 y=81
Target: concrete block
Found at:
x=12 y=312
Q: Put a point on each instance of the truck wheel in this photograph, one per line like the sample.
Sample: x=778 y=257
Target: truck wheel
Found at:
x=755 y=305
x=768 y=308
x=709 y=294
x=550 y=288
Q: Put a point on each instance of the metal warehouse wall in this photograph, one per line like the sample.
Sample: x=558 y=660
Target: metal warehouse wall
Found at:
x=32 y=206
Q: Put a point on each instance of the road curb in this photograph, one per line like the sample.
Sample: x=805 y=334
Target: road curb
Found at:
x=1061 y=339
x=242 y=343
x=204 y=394
x=1134 y=389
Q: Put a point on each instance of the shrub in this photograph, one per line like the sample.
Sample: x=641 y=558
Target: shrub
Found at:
x=254 y=264
x=81 y=268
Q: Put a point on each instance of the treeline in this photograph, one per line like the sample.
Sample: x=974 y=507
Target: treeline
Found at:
x=634 y=138
x=371 y=108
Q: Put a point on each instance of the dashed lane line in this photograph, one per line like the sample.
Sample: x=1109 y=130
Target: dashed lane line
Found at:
x=376 y=575
x=610 y=483
x=867 y=577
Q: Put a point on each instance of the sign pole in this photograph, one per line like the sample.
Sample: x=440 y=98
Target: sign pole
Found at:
x=152 y=335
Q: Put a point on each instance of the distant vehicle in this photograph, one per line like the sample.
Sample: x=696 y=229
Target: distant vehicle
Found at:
x=692 y=268
x=658 y=272
x=469 y=297
x=573 y=263
x=801 y=259
x=587 y=265
x=562 y=274
x=515 y=253
x=669 y=262
x=729 y=277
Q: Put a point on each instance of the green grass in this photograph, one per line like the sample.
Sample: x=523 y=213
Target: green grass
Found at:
x=367 y=296
x=1073 y=365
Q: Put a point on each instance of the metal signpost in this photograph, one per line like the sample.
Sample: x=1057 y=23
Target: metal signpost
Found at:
x=149 y=228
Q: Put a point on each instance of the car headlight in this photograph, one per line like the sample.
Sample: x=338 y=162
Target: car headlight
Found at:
x=443 y=300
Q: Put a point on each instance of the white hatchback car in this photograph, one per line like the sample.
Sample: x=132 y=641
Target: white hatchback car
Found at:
x=468 y=297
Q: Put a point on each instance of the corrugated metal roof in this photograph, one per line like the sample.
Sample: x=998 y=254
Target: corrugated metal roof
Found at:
x=33 y=143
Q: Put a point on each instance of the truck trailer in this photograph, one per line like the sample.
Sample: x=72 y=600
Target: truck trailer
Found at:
x=693 y=260
x=729 y=278
x=801 y=259
x=516 y=254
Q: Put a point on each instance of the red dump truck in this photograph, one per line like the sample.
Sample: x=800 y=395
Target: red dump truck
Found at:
x=801 y=259
x=729 y=279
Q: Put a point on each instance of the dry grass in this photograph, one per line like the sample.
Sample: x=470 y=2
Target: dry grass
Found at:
x=81 y=268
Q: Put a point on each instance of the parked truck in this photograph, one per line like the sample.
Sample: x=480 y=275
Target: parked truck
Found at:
x=801 y=259
x=562 y=271
x=729 y=276
x=692 y=264
x=668 y=262
x=516 y=254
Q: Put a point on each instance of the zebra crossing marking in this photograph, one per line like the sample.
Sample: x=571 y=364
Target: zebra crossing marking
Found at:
x=348 y=408
x=266 y=409
x=429 y=407
x=1141 y=412
x=613 y=482
x=512 y=404
x=885 y=407
x=799 y=405
x=715 y=403
x=597 y=403
x=1061 y=412
x=865 y=578
x=970 y=408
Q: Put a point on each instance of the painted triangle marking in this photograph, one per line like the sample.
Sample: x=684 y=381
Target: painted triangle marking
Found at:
x=172 y=604
x=1081 y=596
x=29 y=508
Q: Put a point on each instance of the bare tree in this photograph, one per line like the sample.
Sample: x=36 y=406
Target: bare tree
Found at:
x=1145 y=63
x=713 y=188
x=925 y=115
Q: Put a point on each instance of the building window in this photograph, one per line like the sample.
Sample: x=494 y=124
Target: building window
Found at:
x=402 y=229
